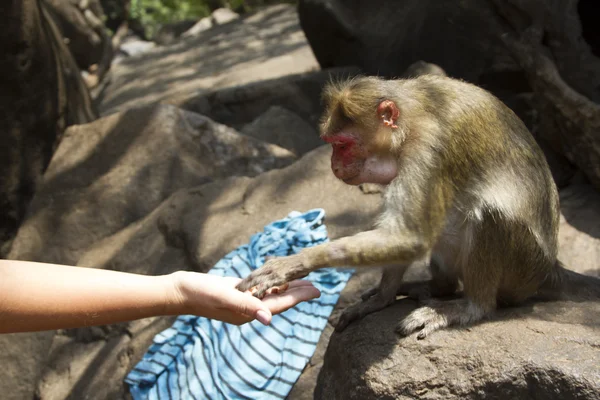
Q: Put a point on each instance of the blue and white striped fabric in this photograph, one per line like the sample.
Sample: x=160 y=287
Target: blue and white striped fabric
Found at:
x=199 y=358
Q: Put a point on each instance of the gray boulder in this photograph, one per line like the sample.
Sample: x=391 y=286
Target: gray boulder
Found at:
x=285 y=129
x=239 y=106
x=110 y=173
x=544 y=351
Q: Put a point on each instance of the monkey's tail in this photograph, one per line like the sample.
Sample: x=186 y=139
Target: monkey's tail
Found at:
x=564 y=284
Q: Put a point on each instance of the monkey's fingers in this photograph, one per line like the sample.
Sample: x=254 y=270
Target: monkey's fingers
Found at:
x=262 y=290
x=278 y=289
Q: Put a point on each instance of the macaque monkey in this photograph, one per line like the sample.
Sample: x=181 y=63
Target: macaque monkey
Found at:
x=469 y=193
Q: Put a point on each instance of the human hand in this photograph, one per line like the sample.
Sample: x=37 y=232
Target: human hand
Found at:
x=216 y=297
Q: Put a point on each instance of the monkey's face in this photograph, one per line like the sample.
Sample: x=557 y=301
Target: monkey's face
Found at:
x=354 y=162
x=348 y=158
x=361 y=137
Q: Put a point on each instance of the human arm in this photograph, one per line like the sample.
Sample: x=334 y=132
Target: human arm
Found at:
x=40 y=296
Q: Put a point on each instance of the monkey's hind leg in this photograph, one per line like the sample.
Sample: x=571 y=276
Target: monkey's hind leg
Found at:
x=481 y=278
x=374 y=299
x=442 y=283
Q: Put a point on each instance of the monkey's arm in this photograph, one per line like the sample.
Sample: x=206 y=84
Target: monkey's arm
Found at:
x=407 y=231
x=375 y=247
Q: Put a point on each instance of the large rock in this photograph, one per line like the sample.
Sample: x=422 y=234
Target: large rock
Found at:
x=242 y=51
x=545 y=351
x=241 y=105
x=110 y=173
x=284 y=128
x=536 y=351
x=384 y=37
x=579 y=235
x=170 y=32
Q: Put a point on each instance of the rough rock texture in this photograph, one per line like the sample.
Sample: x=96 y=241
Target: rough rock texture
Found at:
x=169 y=33
x=116 y=170
x=579 y=235
x=264 y=45
x=536 y=351
x=545 y=351
x=41 y=93
x=239 y=106
x=284 y=128
x=223 y=16
x=201 y=225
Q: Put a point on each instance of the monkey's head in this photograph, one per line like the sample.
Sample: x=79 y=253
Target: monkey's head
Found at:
x=359 y=125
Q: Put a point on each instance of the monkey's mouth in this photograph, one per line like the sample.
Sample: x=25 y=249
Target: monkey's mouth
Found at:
x=351 y=180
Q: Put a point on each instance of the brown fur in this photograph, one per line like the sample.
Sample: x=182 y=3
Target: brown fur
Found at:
x=472 y=193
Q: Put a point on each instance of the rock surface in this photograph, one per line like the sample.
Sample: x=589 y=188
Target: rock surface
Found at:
x=536 y=351
x=264 y=45
x=284 y=128
x=384 y=38
x=110 y=173
x=241 y=105
x=545 y=351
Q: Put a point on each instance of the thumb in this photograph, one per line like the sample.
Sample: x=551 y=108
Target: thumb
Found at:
x=249 y=305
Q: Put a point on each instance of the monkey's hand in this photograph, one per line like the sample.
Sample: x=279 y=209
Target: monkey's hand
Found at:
x=273 y=276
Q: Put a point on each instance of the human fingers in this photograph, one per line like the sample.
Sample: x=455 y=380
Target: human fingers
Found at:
x=278 y=303
x=246 y=304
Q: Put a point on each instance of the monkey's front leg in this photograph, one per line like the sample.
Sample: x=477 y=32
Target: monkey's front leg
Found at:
x=376 y=247
x=375 y=299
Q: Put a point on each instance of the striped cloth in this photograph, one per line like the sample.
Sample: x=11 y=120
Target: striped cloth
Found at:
x=199 y=358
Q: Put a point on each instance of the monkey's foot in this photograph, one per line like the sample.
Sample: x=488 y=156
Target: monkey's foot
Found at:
x=439 y=315
x=372 y=300
x=272 y=277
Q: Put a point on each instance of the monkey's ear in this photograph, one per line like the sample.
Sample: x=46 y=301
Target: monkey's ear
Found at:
x=388 y=112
